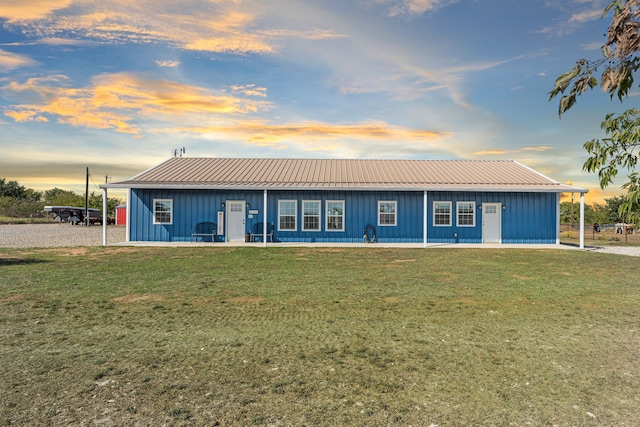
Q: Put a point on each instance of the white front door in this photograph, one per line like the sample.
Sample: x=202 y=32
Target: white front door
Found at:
x=491 y=222
x=236 y=220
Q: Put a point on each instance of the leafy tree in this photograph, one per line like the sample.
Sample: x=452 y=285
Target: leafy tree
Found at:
x=95 y=201
x=18 y=201
x=597 y=214
x=592 y=214
x=612 y=209
x=12 y=189
x=620 y=60
x=60 y=197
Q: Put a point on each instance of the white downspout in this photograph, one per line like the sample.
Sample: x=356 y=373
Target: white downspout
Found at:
x=104 y=217
x=264 y=222
x=425 y=221
x=557 y=218
x=128 y=217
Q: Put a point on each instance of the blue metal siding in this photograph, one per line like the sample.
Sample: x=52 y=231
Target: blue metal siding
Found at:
x=530 y=218
x=526 y=217
x=189 y=208
x=360 y=210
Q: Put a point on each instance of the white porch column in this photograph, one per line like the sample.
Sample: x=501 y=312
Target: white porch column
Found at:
x=557 y=218
x=104 y=217
x=581 y=220
x=264 y=222
x=425 y=220
x=127 y=225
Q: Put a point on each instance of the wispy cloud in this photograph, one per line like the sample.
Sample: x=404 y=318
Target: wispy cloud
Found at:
x=501 y=152
x=592 y=46
x=354 y=139
x=11 y=61
x=412 y=7
x=119 y=101
x=167 y=63
x=250 y=90
x=571 y=20
x=214 y=26
x=52 y=41
x=585 y=16
x=64 y=41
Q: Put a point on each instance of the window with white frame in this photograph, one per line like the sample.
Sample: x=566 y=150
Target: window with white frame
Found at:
x=466 y=213
x=287 y=212
x=162 y=211
x=335 y=215
x=387 y=212
x=311 y=215
x=442 y=214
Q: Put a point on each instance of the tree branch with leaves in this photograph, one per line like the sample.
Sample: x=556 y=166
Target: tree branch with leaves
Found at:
x=619 y=150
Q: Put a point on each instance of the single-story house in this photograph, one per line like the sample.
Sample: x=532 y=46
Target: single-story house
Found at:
x=343 y=201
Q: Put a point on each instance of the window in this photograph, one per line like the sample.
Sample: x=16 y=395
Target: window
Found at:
x=287 y=212
x=466 y=212
x=441 y=214
x=162 y=211
x=335 y=215
x=387 y=212
x=311 y=215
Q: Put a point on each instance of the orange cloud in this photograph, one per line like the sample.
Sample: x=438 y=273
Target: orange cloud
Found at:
x=499 y=152
x=491 y=152
x=25 y=116
x=316 y=135
x=116 y=101
x=539 y=148
x=213 y=26
x=14 y=11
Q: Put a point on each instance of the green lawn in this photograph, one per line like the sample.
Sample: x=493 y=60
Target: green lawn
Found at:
x=310 y=336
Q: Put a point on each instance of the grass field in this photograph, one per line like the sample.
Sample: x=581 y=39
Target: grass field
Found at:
x=318 y=337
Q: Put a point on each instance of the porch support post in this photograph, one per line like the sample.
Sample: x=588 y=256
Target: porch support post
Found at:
x=264 y=223
x=581 y=220
x=557 y=218
x=104 y=217
x=128 y=216
x=424 y=219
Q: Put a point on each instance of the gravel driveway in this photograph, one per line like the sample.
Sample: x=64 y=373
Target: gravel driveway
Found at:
x=56 y=235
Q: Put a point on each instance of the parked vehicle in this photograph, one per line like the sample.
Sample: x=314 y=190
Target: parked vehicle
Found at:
x=75 y=215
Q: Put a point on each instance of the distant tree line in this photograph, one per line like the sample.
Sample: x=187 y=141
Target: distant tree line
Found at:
x=16 y=201
x=607 y=213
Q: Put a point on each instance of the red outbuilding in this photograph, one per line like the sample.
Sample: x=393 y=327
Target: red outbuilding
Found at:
x=121 y=215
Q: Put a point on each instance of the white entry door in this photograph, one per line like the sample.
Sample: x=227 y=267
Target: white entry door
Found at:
x=491 y=222
x=236 y=219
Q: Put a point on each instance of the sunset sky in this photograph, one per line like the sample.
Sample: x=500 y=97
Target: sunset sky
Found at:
x=118 y=85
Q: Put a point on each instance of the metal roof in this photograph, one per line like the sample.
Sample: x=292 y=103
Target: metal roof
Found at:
x=308 y=174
